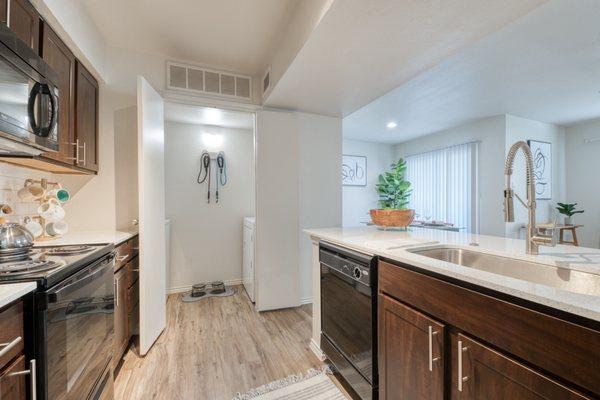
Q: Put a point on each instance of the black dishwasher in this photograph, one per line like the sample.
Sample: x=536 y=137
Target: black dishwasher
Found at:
x=349 y=316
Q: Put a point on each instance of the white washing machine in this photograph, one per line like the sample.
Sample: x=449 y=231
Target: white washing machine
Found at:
x=248 y=257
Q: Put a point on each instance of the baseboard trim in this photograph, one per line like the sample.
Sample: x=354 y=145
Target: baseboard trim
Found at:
x=306 y=300
x=187 y=288
x=317 y=350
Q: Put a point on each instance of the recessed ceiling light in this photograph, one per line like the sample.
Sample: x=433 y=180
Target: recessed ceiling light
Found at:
x=392 y=125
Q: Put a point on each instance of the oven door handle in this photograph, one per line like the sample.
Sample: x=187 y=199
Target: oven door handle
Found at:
x=57 y=295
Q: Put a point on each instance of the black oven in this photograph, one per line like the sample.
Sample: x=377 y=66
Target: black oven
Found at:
x=28 y=95
x=349 y=316
x=74 y=328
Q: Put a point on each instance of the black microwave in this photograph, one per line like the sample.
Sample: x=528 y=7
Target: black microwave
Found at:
x=28 y=96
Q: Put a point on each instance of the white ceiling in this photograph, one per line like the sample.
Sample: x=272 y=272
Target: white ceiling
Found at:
x=230 y=34
x=545 y=66
x=362 y=49
x=175 y=112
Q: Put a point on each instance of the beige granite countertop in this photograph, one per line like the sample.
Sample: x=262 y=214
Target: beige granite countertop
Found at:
x=10 y=292
x=89 y=237
x=393 y=245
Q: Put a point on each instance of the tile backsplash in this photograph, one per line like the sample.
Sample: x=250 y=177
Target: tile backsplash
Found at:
x=12 y=178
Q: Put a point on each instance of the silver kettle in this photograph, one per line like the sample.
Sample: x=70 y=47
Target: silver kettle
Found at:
x=15 y=240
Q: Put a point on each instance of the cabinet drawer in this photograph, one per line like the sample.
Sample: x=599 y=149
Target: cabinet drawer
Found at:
x=13 y=387
x=133 y=297
x=11 y=328
x=135 y=245
x=123 y=255
x=560 y=347
x=133 y=271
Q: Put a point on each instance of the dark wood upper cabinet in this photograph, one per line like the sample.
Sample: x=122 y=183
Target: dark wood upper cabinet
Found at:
x=62 y=61
x=3 y=11
x=86 y=118
x=487 y=374
x=24 y=20
x=411 y=360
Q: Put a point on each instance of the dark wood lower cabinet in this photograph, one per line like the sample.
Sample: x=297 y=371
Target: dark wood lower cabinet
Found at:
x=121 y=321
x=412 y=365
x=494 y=348
x=487 y=374
x=12 y=387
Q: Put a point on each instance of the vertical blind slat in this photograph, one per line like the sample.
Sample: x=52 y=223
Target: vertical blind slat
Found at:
x=442 y=185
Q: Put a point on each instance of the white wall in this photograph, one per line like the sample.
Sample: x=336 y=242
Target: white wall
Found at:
x=524 y=129
x=490 y=134
x=583 y=164
x=358 y=200
x=126 y=167
x=320 y=143
x=206 y=239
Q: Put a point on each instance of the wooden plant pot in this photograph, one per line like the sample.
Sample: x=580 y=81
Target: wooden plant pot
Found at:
x=392 y=218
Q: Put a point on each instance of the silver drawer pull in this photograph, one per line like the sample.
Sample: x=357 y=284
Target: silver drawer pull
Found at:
x=7 y=347
x=123 y=258
x=461 y=378
x=431 y=333
x=33 y=378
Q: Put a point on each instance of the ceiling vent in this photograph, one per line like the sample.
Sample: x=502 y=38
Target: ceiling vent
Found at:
x=211 y=82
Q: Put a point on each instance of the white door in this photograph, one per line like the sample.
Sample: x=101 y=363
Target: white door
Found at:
x=151 y=178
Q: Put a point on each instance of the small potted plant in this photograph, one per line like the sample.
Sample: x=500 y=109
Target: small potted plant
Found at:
x=394 y=192
x=568 y=210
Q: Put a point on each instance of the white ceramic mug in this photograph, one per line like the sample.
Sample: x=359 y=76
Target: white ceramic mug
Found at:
x=60 y=194
x=51 y=210
x=57 y=228
x=31 y=193
x=34 y=227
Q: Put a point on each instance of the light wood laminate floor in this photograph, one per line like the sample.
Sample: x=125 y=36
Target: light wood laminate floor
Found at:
x=217 y=347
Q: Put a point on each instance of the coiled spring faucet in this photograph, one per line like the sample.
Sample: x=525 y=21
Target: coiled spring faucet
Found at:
x=534 y=238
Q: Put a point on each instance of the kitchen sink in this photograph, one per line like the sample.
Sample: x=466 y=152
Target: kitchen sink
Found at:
x=561 y=278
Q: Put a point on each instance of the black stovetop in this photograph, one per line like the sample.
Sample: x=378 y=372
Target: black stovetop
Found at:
x=62 y=264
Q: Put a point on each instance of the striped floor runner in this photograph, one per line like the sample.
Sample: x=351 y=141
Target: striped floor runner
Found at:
x=314 y=385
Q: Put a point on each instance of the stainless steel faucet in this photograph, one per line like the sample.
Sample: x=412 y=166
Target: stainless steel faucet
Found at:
x=534 y=237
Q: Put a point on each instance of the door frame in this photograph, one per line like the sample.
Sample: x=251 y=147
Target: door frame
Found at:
x=184 y=99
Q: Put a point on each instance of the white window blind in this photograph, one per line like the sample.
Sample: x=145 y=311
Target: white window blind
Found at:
x=444 y=185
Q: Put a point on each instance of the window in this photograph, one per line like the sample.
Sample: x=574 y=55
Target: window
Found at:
x=444 y=184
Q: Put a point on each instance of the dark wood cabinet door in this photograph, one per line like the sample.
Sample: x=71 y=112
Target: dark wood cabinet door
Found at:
x=12 y=387
x=121 y=315
x=24 y=20
x=411 y=350
x=86 y=118
x=488 y=375
x=62 y=60
x=3 y=10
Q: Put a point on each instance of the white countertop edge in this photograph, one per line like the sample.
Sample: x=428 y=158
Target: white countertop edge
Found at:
x=10 y=292
x=574 y=303
x=89 y=237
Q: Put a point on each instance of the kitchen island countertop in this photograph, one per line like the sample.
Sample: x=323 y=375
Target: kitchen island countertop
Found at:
x=393 y=245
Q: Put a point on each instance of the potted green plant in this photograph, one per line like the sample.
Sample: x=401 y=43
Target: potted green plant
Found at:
x=394 y=193
x=568 y=210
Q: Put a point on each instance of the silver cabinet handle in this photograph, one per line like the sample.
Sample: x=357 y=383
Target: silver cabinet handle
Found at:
x=431 y=333
x=123 y=258
x=77 y=147
x=8 y=13
x=6 y=347
x=84 y=158
x=33 y=377
x=461 y=379
x=116 y=285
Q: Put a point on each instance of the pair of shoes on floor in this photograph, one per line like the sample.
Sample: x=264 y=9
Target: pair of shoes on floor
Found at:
x=201 y=289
